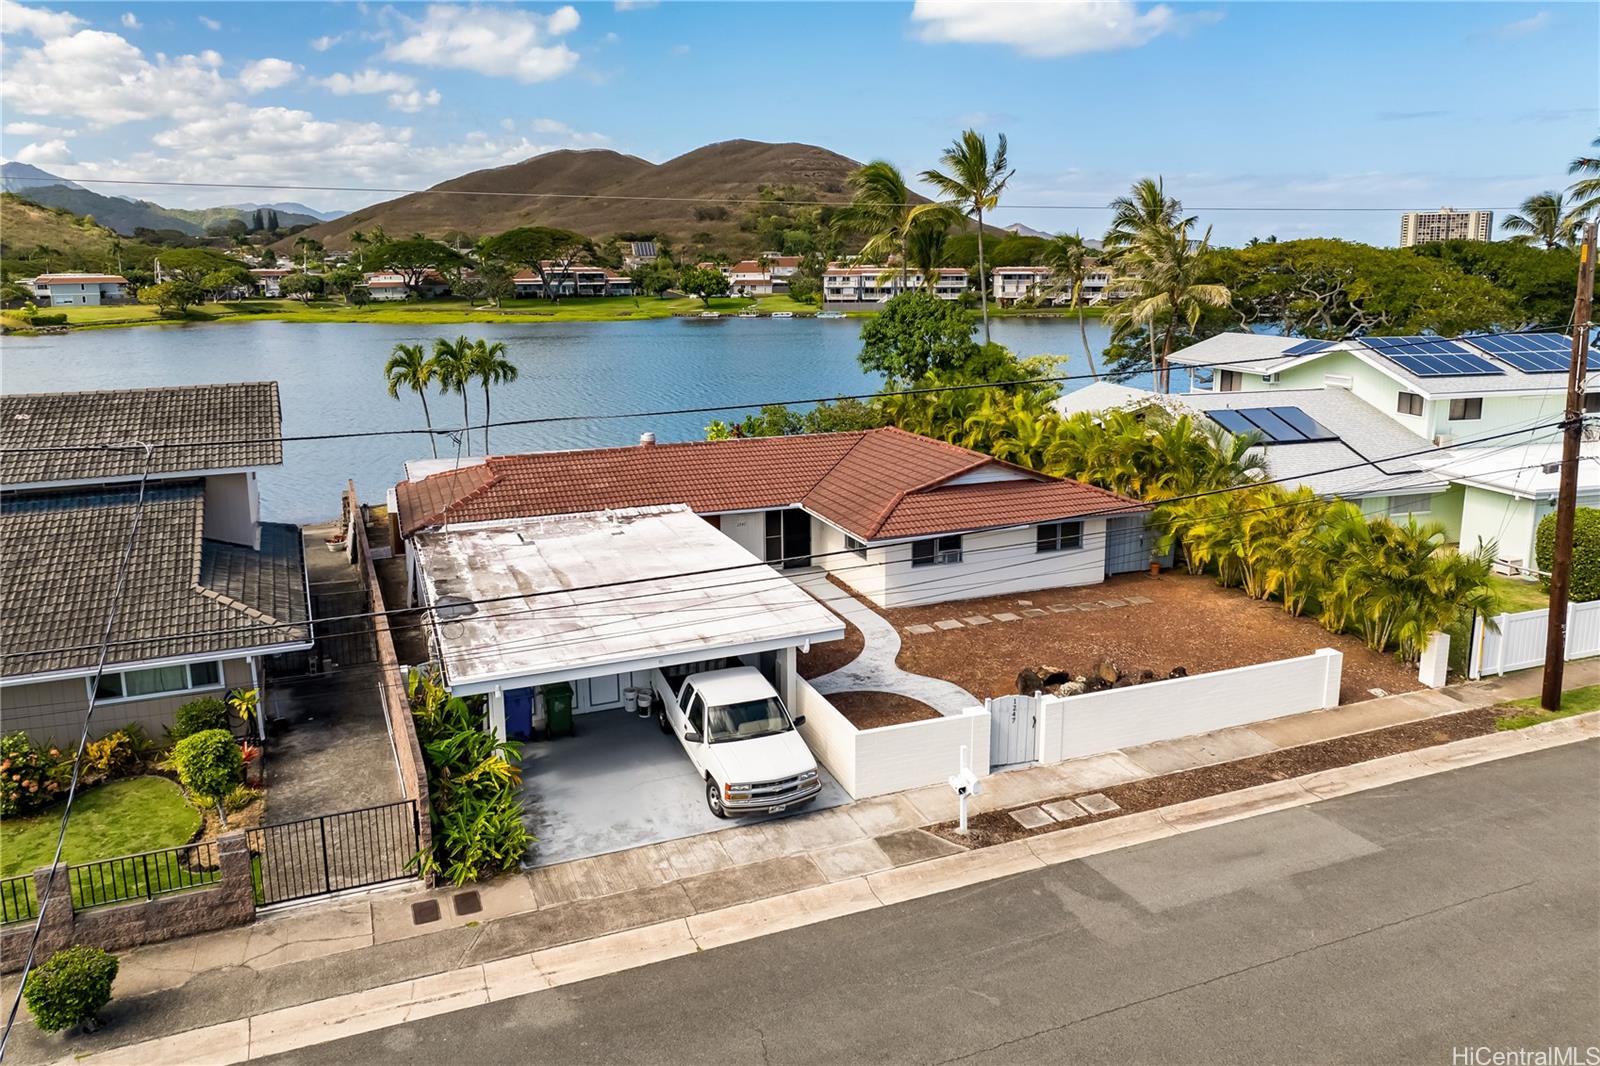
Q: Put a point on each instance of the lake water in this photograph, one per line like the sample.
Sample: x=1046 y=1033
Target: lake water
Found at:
x=330 y=378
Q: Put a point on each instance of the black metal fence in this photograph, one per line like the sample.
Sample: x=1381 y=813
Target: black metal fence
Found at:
x=16 y=899
x=145 y=875
x=334 y=852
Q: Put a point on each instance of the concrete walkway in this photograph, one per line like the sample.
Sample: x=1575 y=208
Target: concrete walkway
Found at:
x=874 y=670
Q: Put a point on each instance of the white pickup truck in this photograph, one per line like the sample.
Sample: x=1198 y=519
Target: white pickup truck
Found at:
x=741 y=739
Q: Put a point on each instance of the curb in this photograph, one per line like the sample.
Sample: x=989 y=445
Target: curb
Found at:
x=322 y=1021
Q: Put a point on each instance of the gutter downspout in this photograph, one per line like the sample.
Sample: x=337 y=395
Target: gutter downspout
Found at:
x=261 y=709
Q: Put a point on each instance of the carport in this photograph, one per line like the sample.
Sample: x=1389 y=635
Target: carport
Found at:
x=599 y=600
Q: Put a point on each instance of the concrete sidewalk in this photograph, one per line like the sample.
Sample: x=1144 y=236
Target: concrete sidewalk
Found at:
x=817 y=863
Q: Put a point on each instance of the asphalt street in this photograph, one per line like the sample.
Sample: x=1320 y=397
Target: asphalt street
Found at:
x=1455 y=911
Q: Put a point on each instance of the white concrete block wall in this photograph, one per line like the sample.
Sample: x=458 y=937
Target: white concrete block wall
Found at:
x=829 y=734
x=1096 y=722
x=893 y=758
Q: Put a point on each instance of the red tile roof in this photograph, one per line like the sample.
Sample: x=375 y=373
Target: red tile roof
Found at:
x=70 y=279
x=881 y=484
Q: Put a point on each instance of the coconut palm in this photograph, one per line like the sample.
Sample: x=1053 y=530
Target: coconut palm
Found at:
x=1071 y=262
x=409 y=368
x=972 y=182
x=1542 y=219
x=488 y=364
x=1147 y=206
x=1585 y=192
x=925 y=248
x=879 y=209
x=452 y=360
x=1163 y=266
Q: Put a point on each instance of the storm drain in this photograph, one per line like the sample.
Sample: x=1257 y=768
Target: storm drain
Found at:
x=424 y=911
x=466 y=902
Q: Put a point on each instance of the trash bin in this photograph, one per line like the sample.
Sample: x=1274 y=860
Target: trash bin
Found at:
x=638 y=701
x=557 y=708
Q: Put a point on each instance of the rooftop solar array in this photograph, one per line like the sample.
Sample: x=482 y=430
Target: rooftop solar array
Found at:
x=1431 y=357
x=1531 y=353
x=1276 y=425
x=1308 y=348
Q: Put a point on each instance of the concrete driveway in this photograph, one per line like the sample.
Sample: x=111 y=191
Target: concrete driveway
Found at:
x=620 y=783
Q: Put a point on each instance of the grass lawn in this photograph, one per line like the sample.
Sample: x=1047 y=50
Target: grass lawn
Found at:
x=118 y=818
x=1519 y=595
x=1578 y=701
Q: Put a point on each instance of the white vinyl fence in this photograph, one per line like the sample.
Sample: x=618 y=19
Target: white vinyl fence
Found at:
x=1096 y=722
x=891 y=758
x=1519 y=642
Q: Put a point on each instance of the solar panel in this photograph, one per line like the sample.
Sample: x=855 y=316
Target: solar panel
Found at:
x=1233 y=422
x=1445 y=366
x=1276 y=425
x=1308 y=348
x=1310 y=427
x=1531 y=353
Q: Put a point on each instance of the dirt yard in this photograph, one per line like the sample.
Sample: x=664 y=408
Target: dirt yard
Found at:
x=826 y=658
x=1189 y=622
x=868 y=710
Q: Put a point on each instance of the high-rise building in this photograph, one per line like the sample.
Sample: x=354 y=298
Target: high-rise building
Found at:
x=1445 y=224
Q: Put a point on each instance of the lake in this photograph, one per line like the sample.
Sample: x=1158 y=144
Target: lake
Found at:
x=330 y=378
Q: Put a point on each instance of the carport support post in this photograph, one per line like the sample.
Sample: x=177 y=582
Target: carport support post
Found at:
x=497 y=713
x=786 y=667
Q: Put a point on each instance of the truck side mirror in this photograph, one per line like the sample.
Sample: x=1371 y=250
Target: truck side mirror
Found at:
x=800 y=721
x=691 y=737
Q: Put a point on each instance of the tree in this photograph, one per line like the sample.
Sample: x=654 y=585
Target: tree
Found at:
x=1146 y=207
x=409 y=368
x=973 y=183
x=210 y=766
x=1542 y=219
x=344 y=280
x=301 y=286
x=881 y=210
x=192 y=264
x=308 y=247
x=1585 y=192
x=172 y=297
x=414 y=258
x=452 y=361
x=545 y=250
x=218 y=282
x=488 y=364
x=1071 y=263
x=703 y=282
x=915 y=333
x=1585 y=580
x=925 y=248
x=1165 y=268
x=654 y=278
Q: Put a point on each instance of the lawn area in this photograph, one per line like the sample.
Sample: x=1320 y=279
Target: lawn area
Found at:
x=118 y=818
x=1577 y=701
x=1519 y=595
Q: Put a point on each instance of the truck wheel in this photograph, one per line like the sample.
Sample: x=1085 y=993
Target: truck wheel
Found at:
x=661 y=720
x=714 y=799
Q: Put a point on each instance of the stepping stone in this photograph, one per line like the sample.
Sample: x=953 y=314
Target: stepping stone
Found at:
x=947 y=623
x=1140 y=599
x=1034 y=612
x=1031 y=818
x=1063 y=608
x=1379 y=692
x=1064 y=810
x=1095 y=803
x=919 y=629
x=1113 y=603
x=1024 y=603
x=1091 y=606
x=1007 y=616
x=976 y=620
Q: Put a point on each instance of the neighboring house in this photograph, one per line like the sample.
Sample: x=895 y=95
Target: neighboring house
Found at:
x=210 y=589
x=79 y=290
x=269 y=280
x=1013 y=283
x=577 y=279
x=764 y=276
x=900 y=518
x=866 y=283
x=638 y=253
x=392 y=286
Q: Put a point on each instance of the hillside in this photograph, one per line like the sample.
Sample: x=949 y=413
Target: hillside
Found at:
x=25 y=225
x=599 y=192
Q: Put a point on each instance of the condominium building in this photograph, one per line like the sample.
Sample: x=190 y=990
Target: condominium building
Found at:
x=1445 y=224
x=861 y=283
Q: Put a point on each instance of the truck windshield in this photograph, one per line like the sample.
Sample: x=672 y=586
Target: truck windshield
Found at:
x=753 y=718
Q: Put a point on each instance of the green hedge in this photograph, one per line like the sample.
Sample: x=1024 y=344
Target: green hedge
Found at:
x=1585 y=585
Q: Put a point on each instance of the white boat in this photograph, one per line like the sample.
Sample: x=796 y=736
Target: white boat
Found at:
x=709 y=314
x=783 y=314
x=830 y=314
x=749 y=314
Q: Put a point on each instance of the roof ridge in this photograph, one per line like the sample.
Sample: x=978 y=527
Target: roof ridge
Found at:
x=253 y=613
x=443 y=514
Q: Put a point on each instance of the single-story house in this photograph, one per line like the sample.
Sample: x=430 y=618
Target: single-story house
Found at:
x=210 y=589
x=900 y=518
x=79 y=290
x=268 y=281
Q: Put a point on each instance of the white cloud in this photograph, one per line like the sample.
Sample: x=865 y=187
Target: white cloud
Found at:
x=414 y=101
x=37 y=129
x=326 y=41
x=1525 y=27
x=45 y=153
x=262 y=74
x=41 y=22
x=101 y=77
x=210 y=23
x=1046 y=28
x=366 y=82
x=504 y=42
x=131 y=21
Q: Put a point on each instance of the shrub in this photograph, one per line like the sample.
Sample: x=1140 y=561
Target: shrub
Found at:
x=198 y=716
x=210 y=766
x=111 y=756
x=70 y=988
x=30 y=775
x=58 y=318
x=240 y=798
x=1585 y=583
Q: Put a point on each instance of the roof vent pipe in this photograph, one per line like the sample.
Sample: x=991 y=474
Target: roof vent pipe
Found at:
x=646 y=439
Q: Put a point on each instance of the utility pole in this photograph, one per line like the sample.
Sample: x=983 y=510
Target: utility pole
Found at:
x=1555 y=643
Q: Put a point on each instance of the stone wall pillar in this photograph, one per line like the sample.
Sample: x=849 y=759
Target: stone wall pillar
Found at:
x=55 y=932
x=238 y=880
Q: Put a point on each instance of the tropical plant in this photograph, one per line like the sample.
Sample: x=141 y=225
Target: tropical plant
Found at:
x=31 y=775
x=704 y=282
x=972 y=183
x=410 y=368
x=925 y=249
x=1164 y=266
x=1146 y=207
x=487 y=363
x=452 y=370
x=914 y=334
x=1542 y=220
x=1585 y=192
x=210 y=766
x=199 y=715
x=246 y=703
x=1071 y=262
x=70 y=989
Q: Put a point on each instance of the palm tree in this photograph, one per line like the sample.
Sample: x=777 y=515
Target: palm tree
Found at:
x=1147 y=206
x=452 y=361
x=1542 y=219
x=1070 y=264
x=488 y=363
x=1164 y=266
x=973 y=182
x=880 y=209
x=409 y=368
x=1585 y=192
x=925 y=249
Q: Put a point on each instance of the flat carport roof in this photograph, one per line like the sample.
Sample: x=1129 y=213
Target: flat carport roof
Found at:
x=533 y=601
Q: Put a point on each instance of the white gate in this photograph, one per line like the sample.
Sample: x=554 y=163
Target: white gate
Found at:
x=1013 y=731
x=1517 y=641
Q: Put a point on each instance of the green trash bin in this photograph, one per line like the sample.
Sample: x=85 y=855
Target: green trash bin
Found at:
x=557 y=709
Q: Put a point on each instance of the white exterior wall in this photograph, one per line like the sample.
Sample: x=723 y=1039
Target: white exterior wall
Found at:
x=233 y=509
x=1508 y=521
x=1378 y=389
x=83 y=294
x=995 y=562
x=748 y=530
x=1097 y=722
x=1500 y=414
x=866 y=576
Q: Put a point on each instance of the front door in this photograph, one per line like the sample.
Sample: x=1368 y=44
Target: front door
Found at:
x=796 y=539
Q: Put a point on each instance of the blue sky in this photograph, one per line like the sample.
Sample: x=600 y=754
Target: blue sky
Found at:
x=1245 y=105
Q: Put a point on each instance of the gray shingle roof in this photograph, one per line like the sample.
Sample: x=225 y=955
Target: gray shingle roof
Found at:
x=237 y=412
x=185 y=595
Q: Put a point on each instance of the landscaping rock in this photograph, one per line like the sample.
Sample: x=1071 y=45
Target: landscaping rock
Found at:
x=1031 y=679
x=1146 y=675
x=1178 y=671
x=1071 y=688
x=1107 y=671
